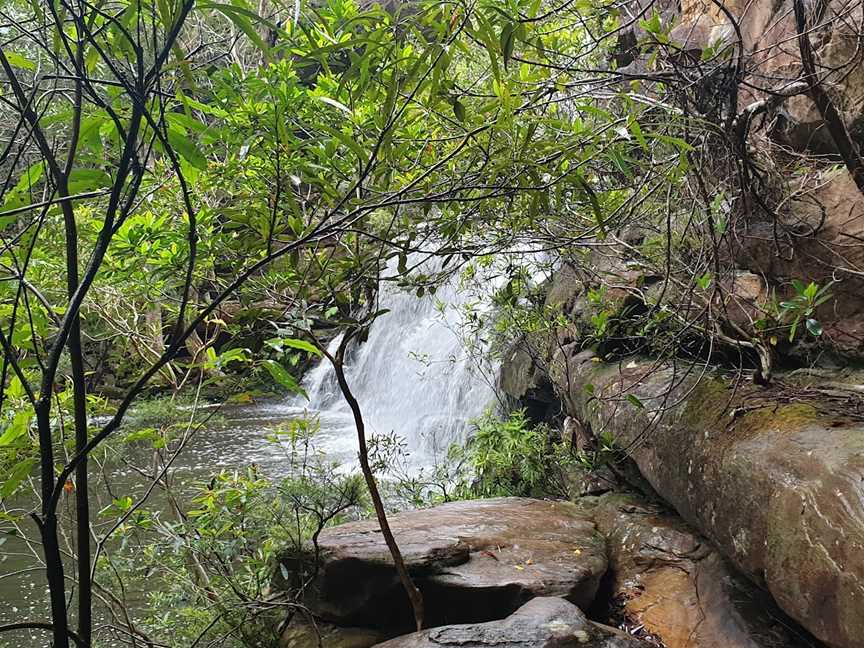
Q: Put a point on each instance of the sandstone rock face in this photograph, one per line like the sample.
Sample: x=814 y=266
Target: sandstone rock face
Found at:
x=540 y=623
x=474 y=561
x=776 y=485
x=523 y=381
x=816 y=233
x=768 y=43
x=672 y=582
x=831 y=222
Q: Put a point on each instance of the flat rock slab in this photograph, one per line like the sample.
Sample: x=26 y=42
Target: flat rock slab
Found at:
x=540 y=623
x=474 y=561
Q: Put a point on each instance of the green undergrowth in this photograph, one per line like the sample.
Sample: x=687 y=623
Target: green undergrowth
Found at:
x=241 y=546
x=511 y=457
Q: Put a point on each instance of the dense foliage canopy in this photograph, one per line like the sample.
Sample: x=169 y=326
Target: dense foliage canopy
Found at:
x=201 y=194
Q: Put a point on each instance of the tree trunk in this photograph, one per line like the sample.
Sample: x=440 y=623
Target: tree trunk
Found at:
x=414 y=594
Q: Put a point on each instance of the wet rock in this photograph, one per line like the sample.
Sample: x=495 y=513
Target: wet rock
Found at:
x=774 y=478
x=305 y=635
x=564 y=289
x=816 y=232
x=669 y=581
x=518 y=372
x=523 y=379
x=580 y=481
x=768 y=38
x=576 y=435
x=540 y=623
x=744 y=299
x=474 y=561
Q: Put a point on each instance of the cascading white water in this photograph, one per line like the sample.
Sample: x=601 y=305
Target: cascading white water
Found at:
x=412 y=377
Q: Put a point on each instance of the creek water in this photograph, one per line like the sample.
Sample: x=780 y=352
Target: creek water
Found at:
x=411 y=376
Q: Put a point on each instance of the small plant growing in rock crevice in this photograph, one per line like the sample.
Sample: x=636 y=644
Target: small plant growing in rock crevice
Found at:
x=802 y=307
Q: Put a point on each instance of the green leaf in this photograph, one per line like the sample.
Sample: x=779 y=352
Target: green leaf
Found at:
x=793 y=330
x=184 y=147
x=19 y=195
x=595 y=203
x=508 y=40
x=150 y=435
x=459 y=110
x=620 y=161
x=677 y=142
x=301 y=345
x=636 y=130
x=89 y=133
x=346 y=140
x=243 y=19
x=19 y=61
x=123 y=503
x=83 y=180
x=233 y=355
x=336 y=104
x=814 y=327
x=486 y=35
x=17 y=428
x=118 y=506
x=207 y=109
x=281 y=376
x=634 y=400
x=651 y=25
x=17 y=475
x=181 y=120
x=30 y=177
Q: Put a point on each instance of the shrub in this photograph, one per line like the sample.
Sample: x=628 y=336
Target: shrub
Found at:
x=510 y=457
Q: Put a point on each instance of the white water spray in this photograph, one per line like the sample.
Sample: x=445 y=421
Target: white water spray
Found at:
x=412 y=377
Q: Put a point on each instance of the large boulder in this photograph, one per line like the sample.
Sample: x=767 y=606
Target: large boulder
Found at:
x=540 y=623
x=525 y=382
x=774 y=478
x=670 y=583
x=474 y=561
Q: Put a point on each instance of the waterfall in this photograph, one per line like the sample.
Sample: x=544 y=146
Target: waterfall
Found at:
x=412 y=376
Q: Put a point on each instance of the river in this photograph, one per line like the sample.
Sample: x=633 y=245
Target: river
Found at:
x=412 y=377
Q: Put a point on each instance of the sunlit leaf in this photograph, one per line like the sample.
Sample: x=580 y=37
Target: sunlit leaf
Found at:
x=285 y=379
x=20 y=61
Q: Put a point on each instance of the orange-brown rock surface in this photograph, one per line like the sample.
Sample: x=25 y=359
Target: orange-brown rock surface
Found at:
x=673 y=584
